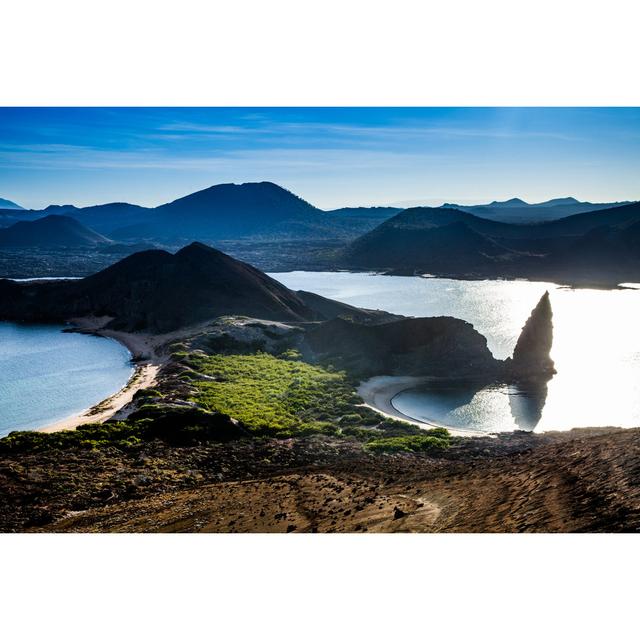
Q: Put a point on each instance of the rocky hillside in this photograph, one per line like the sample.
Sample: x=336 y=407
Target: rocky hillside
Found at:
x=412 y=346
x=158 y=291
x=431 y=248
x=596 y=247
x=443 y=346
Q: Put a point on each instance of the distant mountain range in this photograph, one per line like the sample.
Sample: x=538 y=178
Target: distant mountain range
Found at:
x=51 y=231
x=7 y=204
x=517 y=210
x=263 y=211
x=251 y=211
x=598 y=243
x=368 y=213
x=601 y=247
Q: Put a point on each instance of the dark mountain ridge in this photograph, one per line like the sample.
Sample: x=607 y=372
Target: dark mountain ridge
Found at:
x=597 y=247
x=407 y=244
x=264 y=211
x=518 y=211
x=51 y=231
x=372 y=213
x=228 y=211
x=157 y=291
x=508 y=204
x=253 y=211
x=264 y=216
x=103 y=218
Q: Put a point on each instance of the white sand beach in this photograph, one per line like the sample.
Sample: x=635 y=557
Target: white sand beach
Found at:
x=378 y=393
x=144 y=376
x=143 y=348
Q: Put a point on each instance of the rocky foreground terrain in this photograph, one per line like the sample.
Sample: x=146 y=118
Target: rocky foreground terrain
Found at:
x=584 y=480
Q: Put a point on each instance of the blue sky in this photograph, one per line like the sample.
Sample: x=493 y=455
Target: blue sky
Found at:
x=331 y=157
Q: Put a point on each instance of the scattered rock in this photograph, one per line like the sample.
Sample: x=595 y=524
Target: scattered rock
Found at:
x=398 y=513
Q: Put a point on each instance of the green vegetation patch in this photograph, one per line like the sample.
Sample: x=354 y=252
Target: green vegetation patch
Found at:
x=269 y=393
x=428 y=441
x=239 y=396
x=184 y=426
x=89 y=436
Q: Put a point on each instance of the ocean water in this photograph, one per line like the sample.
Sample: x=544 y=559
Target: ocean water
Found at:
x=596 y=348
x=47 y=375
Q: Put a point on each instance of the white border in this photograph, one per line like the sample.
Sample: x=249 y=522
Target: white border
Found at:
x=335 y=52
x=319 y=587
x=347 y=52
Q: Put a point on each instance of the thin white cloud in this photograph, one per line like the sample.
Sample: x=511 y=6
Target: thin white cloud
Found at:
x=58 y=157
x=190 y=127
x=374 y=133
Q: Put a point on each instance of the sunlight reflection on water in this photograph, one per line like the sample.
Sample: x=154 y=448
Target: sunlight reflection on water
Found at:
x=596 y=347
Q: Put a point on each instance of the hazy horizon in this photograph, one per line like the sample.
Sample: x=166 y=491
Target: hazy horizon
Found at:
x=331 y=157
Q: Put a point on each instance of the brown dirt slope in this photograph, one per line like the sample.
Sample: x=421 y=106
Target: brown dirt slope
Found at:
x=586 y=480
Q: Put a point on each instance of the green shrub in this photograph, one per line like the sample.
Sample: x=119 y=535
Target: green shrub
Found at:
x=364 y=435
x=181 y=426
x=392 y=427
x=291 y=354
x=432 y=440
x=147 y=393
x=86 y=436
x=185 y=426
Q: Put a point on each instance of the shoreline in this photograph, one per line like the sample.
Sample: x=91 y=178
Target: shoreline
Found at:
x=605 y=285
x=416 y=273
x=147 y=364
x=378 y=393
